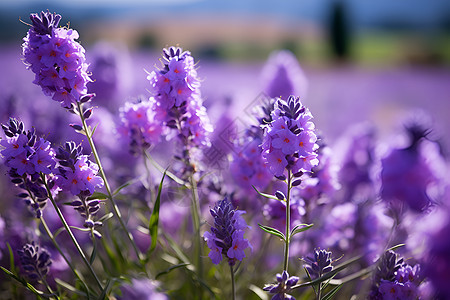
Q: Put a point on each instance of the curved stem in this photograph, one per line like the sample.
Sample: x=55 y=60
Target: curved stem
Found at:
x=233 y=289
x=69 y=231
x=288 y=221
x=107 y=187
x=52 y=238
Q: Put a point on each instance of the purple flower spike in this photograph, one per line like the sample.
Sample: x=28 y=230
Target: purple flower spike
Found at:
x=284 y=285
x=35 y=261
x=290 y=142
x=175 y=88
x=226 y=238
x=56 y=59
x=320 y=264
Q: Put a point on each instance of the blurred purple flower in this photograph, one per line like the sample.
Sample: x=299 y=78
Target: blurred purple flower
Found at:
x=144 y=289
x=282 y=76
x=35 y=261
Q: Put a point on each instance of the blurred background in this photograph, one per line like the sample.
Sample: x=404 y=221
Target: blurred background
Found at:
x=363 y=60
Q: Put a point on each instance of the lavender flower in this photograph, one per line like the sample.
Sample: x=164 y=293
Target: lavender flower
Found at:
x=282 y=76
x=284 y=285
x=320 y=264
x=248 y=168
x=227 y=235
x=144 y=289
x=27 y=157
x=175 y=88
x=290 y=141
x=56 y=59
x=393 y=279
x=407 y=174
x=35 y=261
x=140 y=125
x=77 y=174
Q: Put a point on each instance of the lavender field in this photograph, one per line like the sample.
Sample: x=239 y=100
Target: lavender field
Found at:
x=131 y=173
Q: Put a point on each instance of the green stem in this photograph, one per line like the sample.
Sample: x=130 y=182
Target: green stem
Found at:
x=288 y=221
x=196 y=222
x=69 y=231
x=52 y=238
x=107 y=187
x=233 y=289
x=149 y=177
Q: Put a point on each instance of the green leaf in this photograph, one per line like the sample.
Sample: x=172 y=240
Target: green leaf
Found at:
x=106 y=217
x=298 y=228
x=259 y=292
x=168 y=270
x=267 y=195
x=98 y=195
x=331 y=293
x=395 y=247
x=71 y=288
x=12 y=265
x=106 y=289
x=93 y=130
x=128 y=183
x=273 y=231
x=154 y=218
x=25 y=283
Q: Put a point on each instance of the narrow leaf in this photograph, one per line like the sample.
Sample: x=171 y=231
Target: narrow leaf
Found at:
x=298 y=228
x=106 y=289
x=259 y=292
x=154 y=218
x=106 y=217
x=168 y=270
x=128 y=183
x=267 y=195
x=395 y=247
x=331 y=293
x=273 y=231
x=98 y=195
x=69 y=287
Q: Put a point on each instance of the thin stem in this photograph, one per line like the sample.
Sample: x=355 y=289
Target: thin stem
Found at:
x=52 y=238
x=288 y=221
x=107 y=187
x=69 y=231
x=149 y=177
x=233 y=289
x=196 y=221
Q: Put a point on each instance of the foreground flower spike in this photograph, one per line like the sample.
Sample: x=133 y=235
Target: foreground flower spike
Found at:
x=290 y=142
x=77 y=174
x=140 y=125
x=35 y=261
x=28 y=156
x=394 y=279
x=56 y=59
x=226 y=238
x=284 y=285
x=176 y=90
x=142 y=288
x=320 y=264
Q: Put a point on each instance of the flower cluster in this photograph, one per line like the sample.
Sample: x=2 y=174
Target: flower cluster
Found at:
x=175 y=88
x=284 y=285
x=141 y=288
x=320 y=264
x=28 y=157
x=56 y=59
x=77 y=174
x=139 y=123
x=406 y=174
x=227 y=235
x=248 y=168
x=290 y=141
x=35 y=261
x=393 y=279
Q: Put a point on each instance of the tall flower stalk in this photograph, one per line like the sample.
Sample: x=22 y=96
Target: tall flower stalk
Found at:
x=58 y=62
x=289 y=147
x=176 y=95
